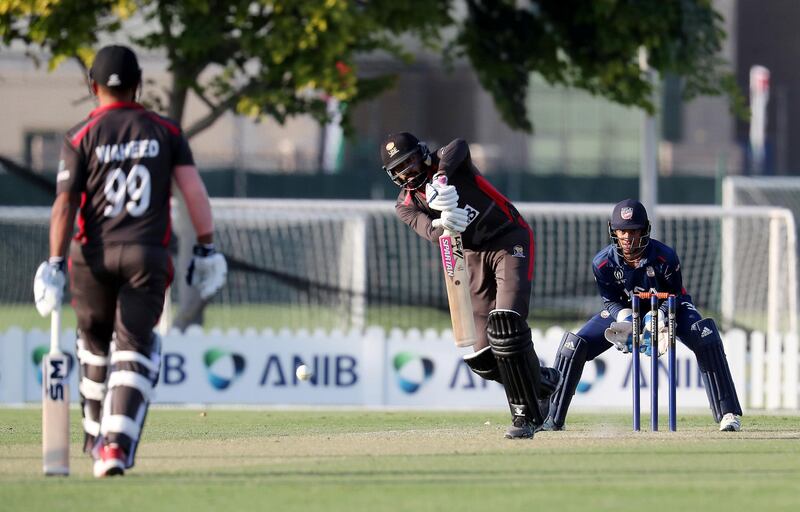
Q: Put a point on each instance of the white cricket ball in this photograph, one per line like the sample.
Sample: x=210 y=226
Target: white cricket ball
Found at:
x=303 y=372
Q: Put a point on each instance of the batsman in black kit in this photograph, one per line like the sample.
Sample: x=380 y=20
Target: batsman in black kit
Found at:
x=116 y=172
x=498 y=246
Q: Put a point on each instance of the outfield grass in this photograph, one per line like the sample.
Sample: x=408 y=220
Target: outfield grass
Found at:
x=273 y=316
x=337 y=460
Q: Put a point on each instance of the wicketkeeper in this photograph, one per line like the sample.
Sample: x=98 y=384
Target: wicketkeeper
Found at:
x=499 y=253
x=634 y=262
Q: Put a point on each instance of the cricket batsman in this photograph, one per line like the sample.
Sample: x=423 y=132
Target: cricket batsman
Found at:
x=498 y=246
x=116 y=170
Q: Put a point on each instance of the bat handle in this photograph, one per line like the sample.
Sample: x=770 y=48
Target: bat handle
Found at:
x=55 y=329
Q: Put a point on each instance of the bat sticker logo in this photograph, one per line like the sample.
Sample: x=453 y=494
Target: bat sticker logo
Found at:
x=446 y=245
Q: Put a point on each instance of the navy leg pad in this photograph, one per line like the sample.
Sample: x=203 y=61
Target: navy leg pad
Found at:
x=570 y=361
x=714 y=368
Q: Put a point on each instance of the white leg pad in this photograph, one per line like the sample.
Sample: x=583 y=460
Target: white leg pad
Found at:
x=132 y=380
x=92 y=390
x=91 y=427
x=119 y=423
x=90 y=358
x=135 y=357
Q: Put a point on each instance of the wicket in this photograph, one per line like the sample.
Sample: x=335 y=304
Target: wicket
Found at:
x=654 y=296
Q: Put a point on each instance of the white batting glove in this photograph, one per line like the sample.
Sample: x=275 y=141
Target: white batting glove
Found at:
x=207 y=270
x=441 y=197
x=452 y=220
x=620 y=333
x=48 y=285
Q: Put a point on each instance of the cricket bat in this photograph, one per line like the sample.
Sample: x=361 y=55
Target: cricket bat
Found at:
x=456 y=278
x=55 y=403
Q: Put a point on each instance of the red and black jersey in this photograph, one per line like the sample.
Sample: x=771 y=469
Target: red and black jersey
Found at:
x=491 y=214
x=121 y=159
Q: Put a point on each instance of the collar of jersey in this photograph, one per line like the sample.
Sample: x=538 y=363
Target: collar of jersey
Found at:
x=112 y=106
x=621 y=262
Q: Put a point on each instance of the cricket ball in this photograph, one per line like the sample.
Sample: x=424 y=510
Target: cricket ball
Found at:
x=303 y=372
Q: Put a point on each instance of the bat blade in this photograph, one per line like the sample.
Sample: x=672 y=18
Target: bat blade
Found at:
x=456 y=278
x=55 y=404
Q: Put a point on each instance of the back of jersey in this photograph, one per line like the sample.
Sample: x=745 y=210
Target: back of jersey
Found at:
x=121 y=160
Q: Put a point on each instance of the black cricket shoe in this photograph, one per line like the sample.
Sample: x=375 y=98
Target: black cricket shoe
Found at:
x=521 y=428
x=549 y=425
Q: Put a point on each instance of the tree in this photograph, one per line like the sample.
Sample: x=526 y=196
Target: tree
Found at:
x=283 y=58
x=593 y=45
x=259 y=58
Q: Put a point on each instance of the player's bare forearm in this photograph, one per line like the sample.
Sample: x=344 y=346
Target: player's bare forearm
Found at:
x=62 y=221
x=194 y=192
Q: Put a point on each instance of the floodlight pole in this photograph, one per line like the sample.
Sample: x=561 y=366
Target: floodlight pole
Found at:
x=648 y=166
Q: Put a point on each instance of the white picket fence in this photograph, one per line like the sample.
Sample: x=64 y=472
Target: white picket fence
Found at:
x=396 y=368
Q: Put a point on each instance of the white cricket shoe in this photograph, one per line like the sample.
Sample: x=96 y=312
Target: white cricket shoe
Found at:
x=110 y=463
x=730 y=423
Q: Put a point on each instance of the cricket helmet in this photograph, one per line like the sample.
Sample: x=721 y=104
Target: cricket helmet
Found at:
x=630 y=214
x=406 y=160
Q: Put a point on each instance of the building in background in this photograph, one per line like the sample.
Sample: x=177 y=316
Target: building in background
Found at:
x=38 y=107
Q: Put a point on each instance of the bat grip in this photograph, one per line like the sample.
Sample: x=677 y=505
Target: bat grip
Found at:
x=55 y=329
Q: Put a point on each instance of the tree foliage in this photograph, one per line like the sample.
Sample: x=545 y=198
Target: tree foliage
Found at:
x=260 y=58
x=594 y=45
x=282 y=58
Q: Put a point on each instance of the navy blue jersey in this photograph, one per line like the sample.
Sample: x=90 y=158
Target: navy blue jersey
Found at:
x=659 y=268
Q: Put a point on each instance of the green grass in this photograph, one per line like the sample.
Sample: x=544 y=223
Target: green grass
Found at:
x=273 y=316
x=338 y=460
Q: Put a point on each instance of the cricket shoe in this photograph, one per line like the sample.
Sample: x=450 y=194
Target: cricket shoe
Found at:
x=549 y=425
x=521 y=428
x=111 y=461
x=730 y=423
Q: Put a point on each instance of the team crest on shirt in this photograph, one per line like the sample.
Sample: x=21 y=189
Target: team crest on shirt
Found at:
x=604 y=314
x=626 y=213
x=472 y=214
x=651 y=272
x=618 y=274
x=518 y=252
x=391 y=149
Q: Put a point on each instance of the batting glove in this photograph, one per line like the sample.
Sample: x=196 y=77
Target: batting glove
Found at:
x=48 y=285
x=455 y=220
x=207 y=270
x=441 y=197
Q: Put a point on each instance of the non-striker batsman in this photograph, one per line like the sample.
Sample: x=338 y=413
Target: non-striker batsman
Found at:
x=498 y=246
x=116 y=170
